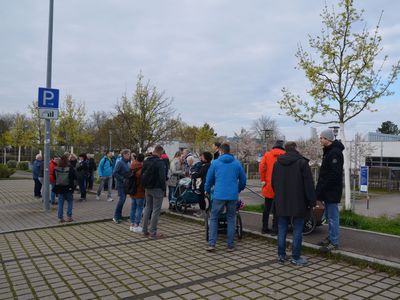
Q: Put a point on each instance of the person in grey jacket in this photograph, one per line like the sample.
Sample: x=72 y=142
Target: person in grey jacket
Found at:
x=175 y=173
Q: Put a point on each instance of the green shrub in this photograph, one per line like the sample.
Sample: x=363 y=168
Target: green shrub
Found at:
x=23 y=165
x=12 y=164
x=6 y=172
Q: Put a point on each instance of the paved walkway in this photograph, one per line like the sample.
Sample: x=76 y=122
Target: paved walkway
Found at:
x=103 y=260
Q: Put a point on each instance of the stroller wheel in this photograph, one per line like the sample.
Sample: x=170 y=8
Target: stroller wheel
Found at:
x=207 y=224
x=309 y=225
x=239 y=226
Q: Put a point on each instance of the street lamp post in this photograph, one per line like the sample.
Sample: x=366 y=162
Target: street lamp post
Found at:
x=46 y=182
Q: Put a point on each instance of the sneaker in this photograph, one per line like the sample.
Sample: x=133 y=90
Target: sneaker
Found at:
x=61 y=221
x=132 y=228
x=139 y=229
x=110 y=199
x=265 y=231
x=273 y=233
x=231 y=249
x=282 y=259
x=324 y=242
x=97 y=197
x=210 y=249
x=328 y=248
x=116 y=221
x=301 y=261
x=156 y=236
x=69 y=219
x=146 y=234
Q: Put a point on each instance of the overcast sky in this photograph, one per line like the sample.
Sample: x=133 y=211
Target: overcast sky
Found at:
x=224 y=62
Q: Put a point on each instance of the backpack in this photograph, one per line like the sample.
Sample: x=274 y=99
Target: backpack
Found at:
x=130 y=185
x=62 y=176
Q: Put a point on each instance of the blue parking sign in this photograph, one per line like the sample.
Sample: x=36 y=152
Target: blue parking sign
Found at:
x=48 y=98
x=364 y=179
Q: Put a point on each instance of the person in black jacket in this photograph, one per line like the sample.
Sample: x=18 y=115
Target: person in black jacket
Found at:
x=200 y=180
x=154 y=177
x=330 y=185
x=294 y=190
x=64 y=176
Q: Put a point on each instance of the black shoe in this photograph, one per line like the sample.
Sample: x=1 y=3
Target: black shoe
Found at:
x=265 y=231
x=328 y=248
x=324 y=242
x=274 y=232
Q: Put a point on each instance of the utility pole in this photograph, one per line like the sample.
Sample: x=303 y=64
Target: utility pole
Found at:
x=46 y=182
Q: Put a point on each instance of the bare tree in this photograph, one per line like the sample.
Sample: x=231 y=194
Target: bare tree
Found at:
x=145 y=119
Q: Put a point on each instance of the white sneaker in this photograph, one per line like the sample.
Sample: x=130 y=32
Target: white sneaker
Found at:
x=139 y=229
x=132 y=228
x=97 y=197
x=110 y=200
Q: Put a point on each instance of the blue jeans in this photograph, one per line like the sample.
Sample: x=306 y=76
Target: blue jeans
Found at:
x=121 y=202
x=171 y=192
x=52 y=194
x=332 y=213
x=61 y=198
x=136 y=210
x=82 y=186
x=217 y=207
x=283 y=223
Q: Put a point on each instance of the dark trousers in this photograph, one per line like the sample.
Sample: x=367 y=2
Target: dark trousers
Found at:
x=38 y=187
x=269 y=205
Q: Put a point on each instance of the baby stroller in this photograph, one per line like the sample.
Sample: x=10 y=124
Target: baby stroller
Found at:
x=222 y=223
x=184 y=197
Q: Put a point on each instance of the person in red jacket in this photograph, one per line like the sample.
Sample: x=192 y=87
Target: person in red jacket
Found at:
x=265 y=168
x=53 y=164
x=137 y=198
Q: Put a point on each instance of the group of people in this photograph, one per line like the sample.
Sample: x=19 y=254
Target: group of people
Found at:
x=287 y=185
x=289 y=191
x=66 y=172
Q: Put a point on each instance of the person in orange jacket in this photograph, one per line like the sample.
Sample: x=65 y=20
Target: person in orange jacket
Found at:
x=265 y=168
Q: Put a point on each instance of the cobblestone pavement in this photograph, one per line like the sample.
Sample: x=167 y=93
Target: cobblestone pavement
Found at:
x=105 y=260
x=20 y=210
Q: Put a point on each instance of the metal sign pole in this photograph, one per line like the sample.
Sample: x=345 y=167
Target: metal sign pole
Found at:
x=46 y=188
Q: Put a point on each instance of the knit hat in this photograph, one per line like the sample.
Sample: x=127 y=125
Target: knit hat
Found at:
x=328 y=134
x=278 y=144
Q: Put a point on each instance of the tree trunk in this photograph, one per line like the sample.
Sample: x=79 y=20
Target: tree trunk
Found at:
x=346 y=166
x=19 y=153
x=5 y=155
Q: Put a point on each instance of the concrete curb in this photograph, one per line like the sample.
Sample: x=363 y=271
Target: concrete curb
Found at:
x=347 y=228
x=346 y=254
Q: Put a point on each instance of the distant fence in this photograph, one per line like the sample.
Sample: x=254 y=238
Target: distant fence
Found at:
x=380 y=178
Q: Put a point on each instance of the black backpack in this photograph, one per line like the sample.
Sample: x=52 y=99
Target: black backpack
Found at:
x=62 y=176
x=130 y=186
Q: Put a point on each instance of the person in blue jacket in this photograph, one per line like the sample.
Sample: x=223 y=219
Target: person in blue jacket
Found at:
x=105 y=171
x=227 y=176
x=36 y=165
x=121 y=171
